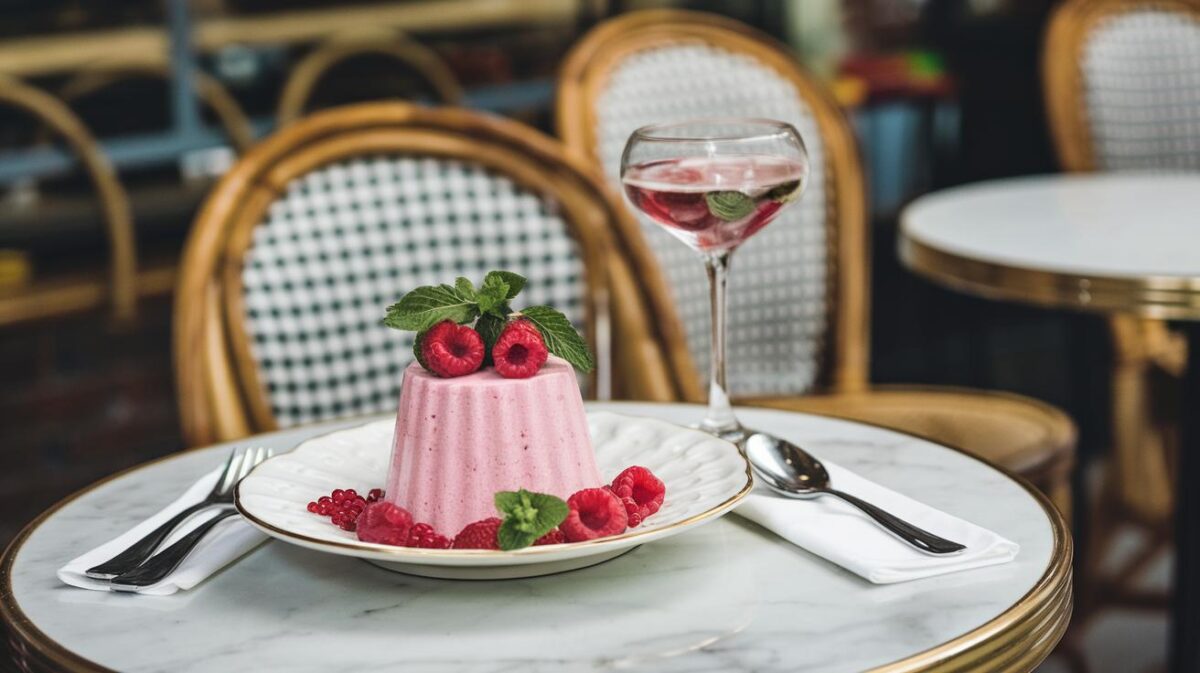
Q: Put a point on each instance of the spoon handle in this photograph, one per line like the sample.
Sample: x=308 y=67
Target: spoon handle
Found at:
x=917 y=537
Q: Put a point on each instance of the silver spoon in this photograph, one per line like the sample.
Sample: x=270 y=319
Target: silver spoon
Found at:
x=791 y=472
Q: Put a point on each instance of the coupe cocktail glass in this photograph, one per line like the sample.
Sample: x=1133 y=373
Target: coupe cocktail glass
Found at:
x=713 y=183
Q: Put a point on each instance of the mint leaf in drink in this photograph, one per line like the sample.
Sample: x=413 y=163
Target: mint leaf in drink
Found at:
x=729 y=206
x=560 y=337
x=785 y=193
x=489 y=327
x=515 y=282
x=527 y=516
x=426 y=306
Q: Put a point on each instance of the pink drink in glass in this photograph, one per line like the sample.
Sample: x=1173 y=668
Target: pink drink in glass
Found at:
x=714 y=203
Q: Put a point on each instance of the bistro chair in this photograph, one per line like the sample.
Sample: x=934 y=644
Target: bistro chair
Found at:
x=53 y=298
x=97 y=78
x=430 y=74
x=1122 y=86
x=798 y=304
x=301 y=247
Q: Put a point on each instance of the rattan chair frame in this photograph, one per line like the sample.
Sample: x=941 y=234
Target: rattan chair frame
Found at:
x=114 y=202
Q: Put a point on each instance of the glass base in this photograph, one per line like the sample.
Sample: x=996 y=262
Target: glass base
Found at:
x=731 y=433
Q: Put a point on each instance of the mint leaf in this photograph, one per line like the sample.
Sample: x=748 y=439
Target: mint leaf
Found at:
x=560 y=337
x=465 y=288
x=493 y=296
x=417 y=350
x=489 y=327
x=785 y=193
x=551 y=511
x=509 y=538
x=426 y=306
x=527 y=516
x=515 y=282
x=729 y=206
x=506 y=501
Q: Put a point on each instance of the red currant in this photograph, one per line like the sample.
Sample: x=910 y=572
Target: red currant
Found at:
x=312 y=507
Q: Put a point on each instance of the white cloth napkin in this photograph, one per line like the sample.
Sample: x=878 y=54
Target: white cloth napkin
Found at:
x=227 y=542
x=838 y=532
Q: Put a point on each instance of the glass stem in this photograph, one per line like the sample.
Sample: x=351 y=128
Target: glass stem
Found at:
x=720 y=419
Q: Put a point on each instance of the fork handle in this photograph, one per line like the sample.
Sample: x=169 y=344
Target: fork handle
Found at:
x=166 y=561
x=144 y=548
x=914 y=535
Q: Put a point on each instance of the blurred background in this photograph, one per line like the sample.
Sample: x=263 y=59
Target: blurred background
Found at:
x=170 y=92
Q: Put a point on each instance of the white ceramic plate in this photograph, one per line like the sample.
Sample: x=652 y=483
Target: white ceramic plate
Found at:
x=705 y=477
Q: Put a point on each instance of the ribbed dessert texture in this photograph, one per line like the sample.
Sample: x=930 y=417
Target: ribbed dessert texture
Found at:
x=460 y=440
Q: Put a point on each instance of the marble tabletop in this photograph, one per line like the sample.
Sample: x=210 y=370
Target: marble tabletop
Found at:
x=1122 y=241
x=728 y=596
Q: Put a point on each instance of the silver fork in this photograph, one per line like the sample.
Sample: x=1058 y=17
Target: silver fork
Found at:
x=237 y=466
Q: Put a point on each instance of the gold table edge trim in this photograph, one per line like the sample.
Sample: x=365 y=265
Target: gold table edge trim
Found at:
x=1162 y=297
x=1011 y=628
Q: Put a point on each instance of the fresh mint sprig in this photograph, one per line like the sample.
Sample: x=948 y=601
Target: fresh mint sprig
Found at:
x=560 y=336
x=488 y=307
x=527 y=516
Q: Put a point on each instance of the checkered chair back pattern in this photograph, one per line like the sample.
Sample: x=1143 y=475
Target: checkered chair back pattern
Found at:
x=778 y=313
x=346 y=240
x=1140 y=73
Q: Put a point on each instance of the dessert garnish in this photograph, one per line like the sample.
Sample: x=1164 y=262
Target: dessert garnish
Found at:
x=423 y=535
x=343 y=506
x=478 y=535
x=385 y=523
x=453 y=321
x=640 y=491
x=594 y=513
x=450 y=350
x=520 y=351
x=527 y=517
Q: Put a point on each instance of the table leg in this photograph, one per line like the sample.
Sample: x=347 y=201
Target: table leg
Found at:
x=1185 y=623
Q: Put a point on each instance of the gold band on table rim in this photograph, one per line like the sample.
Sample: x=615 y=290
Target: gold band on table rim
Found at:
x=1162 y=297
x=1017 y=639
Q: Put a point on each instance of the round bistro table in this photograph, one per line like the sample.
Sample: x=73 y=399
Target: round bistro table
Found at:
x=728 y=596
x=1105 y=242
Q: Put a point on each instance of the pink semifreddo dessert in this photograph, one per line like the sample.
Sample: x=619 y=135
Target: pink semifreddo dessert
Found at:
x=460 y=440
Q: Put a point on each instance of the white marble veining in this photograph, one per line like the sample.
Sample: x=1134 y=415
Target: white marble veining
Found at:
x=1119 y=225
x=725 y=597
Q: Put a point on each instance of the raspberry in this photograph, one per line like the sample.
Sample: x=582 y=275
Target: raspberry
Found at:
x=553 y=537
x=520 y=351
x=640 y=491
x=478 y=535
x=594 y=512
x=424 y=536
x=384 y=523
x=451 y=350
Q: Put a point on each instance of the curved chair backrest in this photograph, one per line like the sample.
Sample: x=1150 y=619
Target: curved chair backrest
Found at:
x=1123 y=84
x=114 y=202
x=211 y=92
x=797 y=307
x=304 y=243
x=414 y=57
